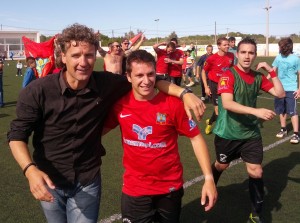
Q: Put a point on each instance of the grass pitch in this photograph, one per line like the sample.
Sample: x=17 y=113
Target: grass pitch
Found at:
x=281 y=173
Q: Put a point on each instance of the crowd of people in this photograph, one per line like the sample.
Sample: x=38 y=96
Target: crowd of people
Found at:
x=72 y=109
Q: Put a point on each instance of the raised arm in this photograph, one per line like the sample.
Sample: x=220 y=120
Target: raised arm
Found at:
x=209 y=192
x=137 y=46
x=277 y=90
x=101 y=51
x=157 y=45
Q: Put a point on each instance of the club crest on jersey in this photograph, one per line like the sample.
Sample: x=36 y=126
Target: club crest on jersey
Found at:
x=192 y=124
x=142 y=132
x=161 y=118
x=223 y=83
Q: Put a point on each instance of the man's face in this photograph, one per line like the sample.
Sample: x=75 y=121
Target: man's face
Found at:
x=170 y=50
x=232 y=43
x=115 y=48
x=125 y=44
x=79 y=59
x=224 y=46
x=209 y=50
x=142 y=78
x=246 y=56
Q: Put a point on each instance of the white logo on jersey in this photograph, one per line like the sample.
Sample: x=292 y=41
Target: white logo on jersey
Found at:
x=223 y=157
x=124 y=116
x=192 y=124
x=142 y=132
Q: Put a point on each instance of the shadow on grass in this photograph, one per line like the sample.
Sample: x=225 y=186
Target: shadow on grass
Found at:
x=233 y=205
x=3 y=115
x=10 y=104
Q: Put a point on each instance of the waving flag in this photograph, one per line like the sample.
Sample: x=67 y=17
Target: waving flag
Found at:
x=135 y=38
x=43 y=54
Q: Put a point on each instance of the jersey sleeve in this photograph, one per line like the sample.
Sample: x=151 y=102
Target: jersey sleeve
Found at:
x=112 y=118
x=266 y=85
x=183 y=125
x=226 y=83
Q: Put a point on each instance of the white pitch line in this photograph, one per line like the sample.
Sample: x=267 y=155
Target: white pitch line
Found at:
x=189 y=183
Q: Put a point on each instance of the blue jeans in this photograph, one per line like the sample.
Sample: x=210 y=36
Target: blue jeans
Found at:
x=76 y=204
x=1 y=90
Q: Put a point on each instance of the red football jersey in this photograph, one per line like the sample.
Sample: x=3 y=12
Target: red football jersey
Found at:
x=216 y=65
x=161 y=66
x=175 y=70
x=226 y=83
x=149 y=137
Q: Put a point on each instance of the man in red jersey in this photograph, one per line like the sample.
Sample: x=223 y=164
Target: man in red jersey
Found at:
x=161 y=66
x=150 y=123
x=175 y=64
x=215 y=66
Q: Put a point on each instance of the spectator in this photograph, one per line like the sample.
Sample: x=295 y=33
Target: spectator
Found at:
x=11 y=55
x=29 y=75
x=1 y=83
x=19 y=68
x=288 y=66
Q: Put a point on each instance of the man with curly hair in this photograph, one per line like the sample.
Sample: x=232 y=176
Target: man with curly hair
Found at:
x=66 y=112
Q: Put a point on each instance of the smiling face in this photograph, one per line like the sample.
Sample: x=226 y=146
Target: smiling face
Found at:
x=115 y=48
x=142 y=78
x=246 y=55
x=223 y=46
x=79 y=60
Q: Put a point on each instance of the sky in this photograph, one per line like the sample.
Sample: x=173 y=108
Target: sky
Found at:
x=191 y=17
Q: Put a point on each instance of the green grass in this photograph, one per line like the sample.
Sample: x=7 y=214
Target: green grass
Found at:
x=281 y=173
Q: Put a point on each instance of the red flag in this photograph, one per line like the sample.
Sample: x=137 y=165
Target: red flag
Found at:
x=43 y=54
x=135 y=38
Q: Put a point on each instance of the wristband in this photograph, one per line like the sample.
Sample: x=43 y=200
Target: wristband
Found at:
x=186 y=90
x=26 y=167
x=273 y=74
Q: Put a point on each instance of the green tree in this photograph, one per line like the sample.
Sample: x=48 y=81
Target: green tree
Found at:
x=172 y=35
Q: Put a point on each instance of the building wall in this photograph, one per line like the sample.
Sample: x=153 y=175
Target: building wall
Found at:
x=11 y=41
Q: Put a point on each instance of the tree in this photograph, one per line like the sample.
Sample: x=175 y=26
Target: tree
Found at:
x=173 y=35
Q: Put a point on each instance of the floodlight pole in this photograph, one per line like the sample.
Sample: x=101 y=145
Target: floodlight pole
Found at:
x=156 y=20
x=267 y=28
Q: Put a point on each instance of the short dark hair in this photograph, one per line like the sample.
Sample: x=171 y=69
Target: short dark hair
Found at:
x=30 y=60
x=285 y=46
x=139 y=56
x=124 y=39
x=172 y=45
x=247 y=40
x=221 y=39
x=174 y=40
x=230 y=39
